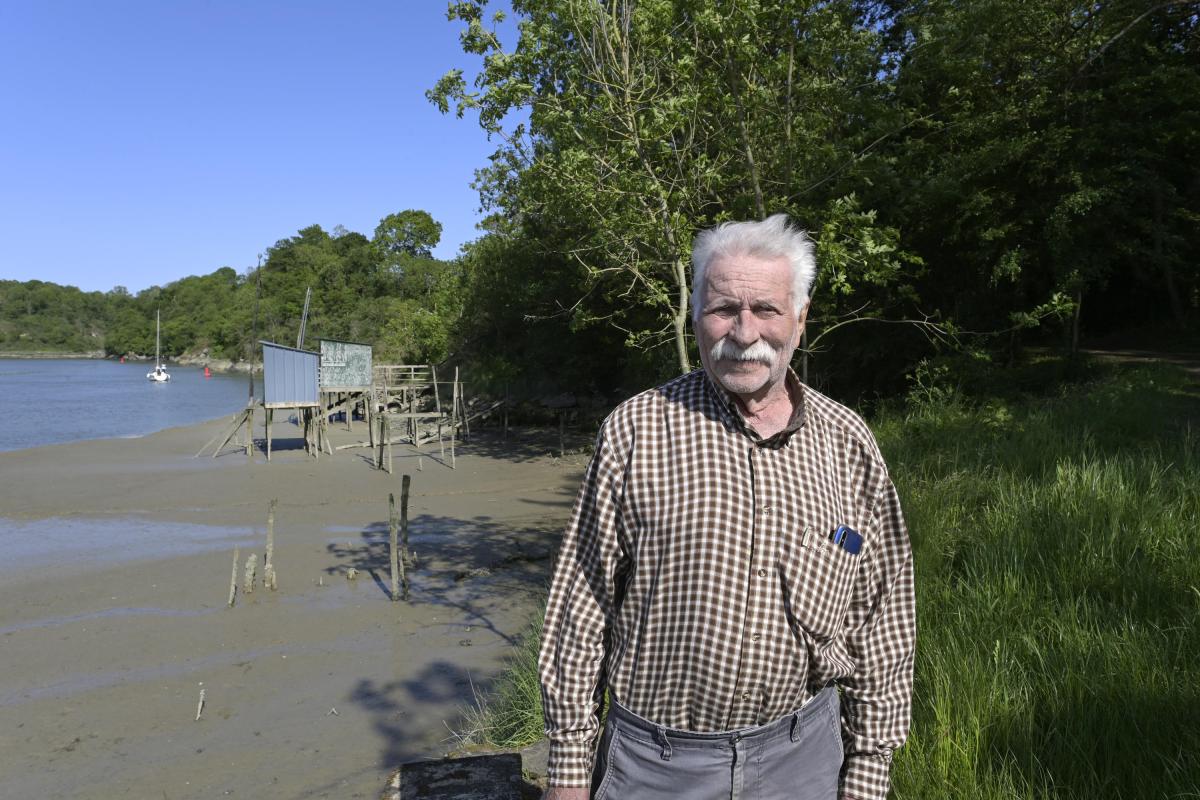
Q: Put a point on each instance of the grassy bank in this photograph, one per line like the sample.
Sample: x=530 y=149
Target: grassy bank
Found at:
x=1057 y=547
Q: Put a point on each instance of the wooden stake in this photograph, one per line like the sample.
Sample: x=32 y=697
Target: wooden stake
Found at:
x=370 y=414
x=269 y=579
x=466 y=418
x=404 y=484
x=437 y=400
x=454 y=418
x=200 y=706
x=396 y=564
x=388 y=439
x=238 y=421
x=210 y=442
x=250 y=574
x=233 y=577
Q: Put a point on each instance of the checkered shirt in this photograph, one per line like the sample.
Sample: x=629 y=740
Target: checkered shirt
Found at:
x=698 y=580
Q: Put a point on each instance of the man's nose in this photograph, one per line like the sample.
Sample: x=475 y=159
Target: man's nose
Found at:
x=745 y=328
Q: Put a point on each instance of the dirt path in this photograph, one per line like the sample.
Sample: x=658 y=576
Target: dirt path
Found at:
x=1188 y=362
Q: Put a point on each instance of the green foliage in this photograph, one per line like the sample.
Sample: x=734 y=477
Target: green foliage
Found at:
x=647 y=121
x=970 y=170
x=39 y=316
x=405 y=303
x=510 y=715
x=410 y=232
x=1057 y=557
x=1040 y=156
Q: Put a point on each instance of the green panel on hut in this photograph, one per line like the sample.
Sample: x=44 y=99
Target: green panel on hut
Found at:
x=289 y=376
x=345 y=366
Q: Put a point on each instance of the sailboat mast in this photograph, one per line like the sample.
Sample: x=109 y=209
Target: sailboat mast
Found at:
x=157 y=329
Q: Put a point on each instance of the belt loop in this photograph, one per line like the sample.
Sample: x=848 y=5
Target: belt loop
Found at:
x=660 y=733
x=796 y=726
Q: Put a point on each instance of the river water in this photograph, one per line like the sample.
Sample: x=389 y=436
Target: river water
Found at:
x=53 y=401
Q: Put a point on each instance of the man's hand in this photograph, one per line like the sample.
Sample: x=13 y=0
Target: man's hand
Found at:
x=566 y=793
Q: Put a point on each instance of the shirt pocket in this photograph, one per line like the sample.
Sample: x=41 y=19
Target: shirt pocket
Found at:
x=817 y=580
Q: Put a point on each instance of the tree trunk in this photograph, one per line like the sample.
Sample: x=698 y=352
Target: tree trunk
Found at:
x=1164 y=263
x=804 y=356
x=1075 y=321
x=681 y=315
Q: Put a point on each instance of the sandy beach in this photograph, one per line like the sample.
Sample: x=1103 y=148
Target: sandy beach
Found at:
x=114 y=575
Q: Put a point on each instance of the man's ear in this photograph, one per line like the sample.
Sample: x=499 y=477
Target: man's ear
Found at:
x=804 y=314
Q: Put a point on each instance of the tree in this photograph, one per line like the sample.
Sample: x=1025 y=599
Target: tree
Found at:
x=409 y=232
x=649 y=120
x=1040 y=157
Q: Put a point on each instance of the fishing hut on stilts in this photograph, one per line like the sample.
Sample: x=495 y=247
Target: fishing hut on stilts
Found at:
x=291 y=381
x=412 y=406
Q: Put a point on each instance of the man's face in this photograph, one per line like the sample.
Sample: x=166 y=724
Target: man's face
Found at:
x=748 y=327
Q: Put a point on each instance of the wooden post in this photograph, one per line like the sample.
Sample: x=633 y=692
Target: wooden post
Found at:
x=250 y=574
x=388 y=439
x=506 y=401
x=437 y=402
x=381 y=439
x=404 y=486
x=413 y=428
x=454 y=417
x=318 y=431
x=397 y=566
x=237 y=554
x=369 y=404
x=268 y=414
x=269 y=579
x=562 y=432
x=250 y=432
x=466 y=417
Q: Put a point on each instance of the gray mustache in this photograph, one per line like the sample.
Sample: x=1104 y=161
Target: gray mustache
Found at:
x=725 y=350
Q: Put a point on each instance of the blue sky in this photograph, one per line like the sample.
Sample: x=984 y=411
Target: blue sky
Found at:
x=141 y=142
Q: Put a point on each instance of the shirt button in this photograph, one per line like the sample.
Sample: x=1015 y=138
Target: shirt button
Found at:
x=756 y=637
x=745 y=695
x=762 y=573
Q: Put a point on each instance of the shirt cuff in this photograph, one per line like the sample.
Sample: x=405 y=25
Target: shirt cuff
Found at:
x=865 y=777
x=570 y=764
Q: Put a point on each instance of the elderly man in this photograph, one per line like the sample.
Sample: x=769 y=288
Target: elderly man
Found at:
x=736 y=571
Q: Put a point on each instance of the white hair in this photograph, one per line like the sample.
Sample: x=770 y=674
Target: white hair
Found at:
x=771 y=238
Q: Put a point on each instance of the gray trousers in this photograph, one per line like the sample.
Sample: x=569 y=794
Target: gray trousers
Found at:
x=797 y=757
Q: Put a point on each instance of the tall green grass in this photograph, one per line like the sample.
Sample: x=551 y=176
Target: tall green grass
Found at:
x=1057 y=551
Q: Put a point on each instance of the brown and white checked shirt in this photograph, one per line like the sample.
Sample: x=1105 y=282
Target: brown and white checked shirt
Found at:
x=697 y=579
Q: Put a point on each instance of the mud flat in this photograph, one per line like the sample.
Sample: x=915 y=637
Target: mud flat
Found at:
x=115 y=561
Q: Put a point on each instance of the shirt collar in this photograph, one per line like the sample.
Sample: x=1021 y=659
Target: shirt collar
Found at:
x=731 y=412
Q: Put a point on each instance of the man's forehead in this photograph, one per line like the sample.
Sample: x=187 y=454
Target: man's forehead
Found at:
x=742 y=275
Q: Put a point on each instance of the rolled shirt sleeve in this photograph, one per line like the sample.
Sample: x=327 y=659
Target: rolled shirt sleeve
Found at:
x=579 y=611
x=881 y=638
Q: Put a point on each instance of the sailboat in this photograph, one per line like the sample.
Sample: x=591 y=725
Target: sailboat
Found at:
x=160 y=374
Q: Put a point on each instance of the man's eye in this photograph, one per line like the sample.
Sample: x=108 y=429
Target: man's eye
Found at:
x=725 y=311
x=766 y=313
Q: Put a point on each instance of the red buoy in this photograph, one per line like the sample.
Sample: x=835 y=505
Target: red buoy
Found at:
x=207 y=373
x=122 y=359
